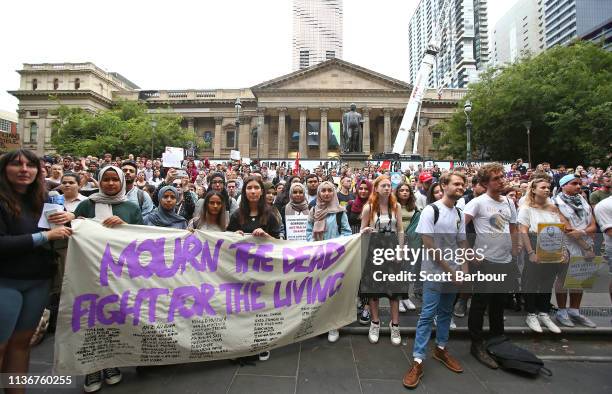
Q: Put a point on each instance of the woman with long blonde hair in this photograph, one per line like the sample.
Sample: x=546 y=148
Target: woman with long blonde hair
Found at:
x=538 y=278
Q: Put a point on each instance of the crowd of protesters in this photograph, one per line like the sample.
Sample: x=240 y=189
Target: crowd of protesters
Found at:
x=499 y=206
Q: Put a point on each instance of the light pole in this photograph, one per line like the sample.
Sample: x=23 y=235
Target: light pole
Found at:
x=153 y=126
x=238 y=106
x=258 y=132
x=467 y=109
x=527 y=125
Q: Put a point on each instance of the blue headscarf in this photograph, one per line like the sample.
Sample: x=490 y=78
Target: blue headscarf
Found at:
x=166 y=218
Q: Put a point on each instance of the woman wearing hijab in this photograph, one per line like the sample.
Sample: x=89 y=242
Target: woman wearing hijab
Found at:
x=327 y=220
x=165 y=214
x=111 y=206
x=363 y=189
x=297 y=203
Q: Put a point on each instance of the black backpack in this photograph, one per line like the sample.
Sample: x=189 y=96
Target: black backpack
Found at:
x=512 y=357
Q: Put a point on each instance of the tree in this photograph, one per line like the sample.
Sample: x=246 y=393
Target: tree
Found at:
x=566 y=93
x=125 y=128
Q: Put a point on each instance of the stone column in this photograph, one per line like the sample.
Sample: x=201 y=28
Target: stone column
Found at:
x=323 y=134
x=303 y=134
x=387 y=131
x=44 y=133
x=282 y=134
x=218 y=139
x=365 y=142
x=190 y=124
x=262 y=140
x=21 y=114
x=244 y=139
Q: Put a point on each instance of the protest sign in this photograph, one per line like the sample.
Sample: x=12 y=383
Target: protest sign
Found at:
x=587 y=274
x=138 y=295
x=173 y=157
x=235 y=154
x=296 y=227
x=8 y=142
x=396 y=179
x=550 y=242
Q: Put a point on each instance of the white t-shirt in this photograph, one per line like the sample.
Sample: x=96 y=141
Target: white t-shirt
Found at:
x=530 y=217
x=447 y=232
x=492 y=221
x=460 y=203
x=421 y=199
x=603 y=215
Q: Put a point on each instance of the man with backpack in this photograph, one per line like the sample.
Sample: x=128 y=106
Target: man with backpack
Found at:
x=442 y=228
x=140 y=197
x=494 y=217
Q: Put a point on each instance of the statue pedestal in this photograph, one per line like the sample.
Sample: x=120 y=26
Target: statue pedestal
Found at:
x=354 y=159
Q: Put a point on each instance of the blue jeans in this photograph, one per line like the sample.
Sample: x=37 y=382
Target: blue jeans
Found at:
x=438 y=299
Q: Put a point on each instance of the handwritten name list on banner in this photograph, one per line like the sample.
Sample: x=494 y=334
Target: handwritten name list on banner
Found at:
x=137 y=295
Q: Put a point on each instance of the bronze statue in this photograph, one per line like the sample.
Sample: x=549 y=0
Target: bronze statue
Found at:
x=351 y=130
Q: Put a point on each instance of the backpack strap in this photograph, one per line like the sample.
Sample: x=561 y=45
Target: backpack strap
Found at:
x=339 y=221
x=436 y=213
x=140 y=195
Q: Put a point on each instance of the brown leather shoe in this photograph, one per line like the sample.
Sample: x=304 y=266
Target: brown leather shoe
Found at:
x=480 y=353
x=413 y=376
x=448 y=360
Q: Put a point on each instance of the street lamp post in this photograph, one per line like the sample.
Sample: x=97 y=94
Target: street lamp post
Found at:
x=258 y=133
x=153 y=126
x=238 y=106
x=467 y=109
x=527 y=125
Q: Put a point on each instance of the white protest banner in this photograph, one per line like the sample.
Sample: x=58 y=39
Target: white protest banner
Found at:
x=139 y=295
x=296 y=227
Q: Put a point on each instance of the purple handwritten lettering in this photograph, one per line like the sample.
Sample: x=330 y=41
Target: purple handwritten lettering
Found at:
x=78 y=311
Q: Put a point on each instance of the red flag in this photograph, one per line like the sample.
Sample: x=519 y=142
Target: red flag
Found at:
x=386 y=165
x=296 y=165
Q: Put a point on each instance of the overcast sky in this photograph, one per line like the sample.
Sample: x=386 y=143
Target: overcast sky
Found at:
x=194 y=44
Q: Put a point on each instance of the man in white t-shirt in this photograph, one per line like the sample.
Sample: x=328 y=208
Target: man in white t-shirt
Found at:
x=494 y=218
x=578 y=213
x=603 y=214
x=442 y=228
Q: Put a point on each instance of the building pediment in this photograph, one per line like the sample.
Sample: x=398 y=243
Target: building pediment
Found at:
x=334 y=74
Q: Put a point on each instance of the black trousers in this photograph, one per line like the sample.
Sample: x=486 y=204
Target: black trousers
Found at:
x=538 y=282
x=491 y=296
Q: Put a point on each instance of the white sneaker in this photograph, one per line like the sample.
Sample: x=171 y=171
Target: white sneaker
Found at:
x=533 y=323
x=333 y=336
x=452 y=324
x=396 y=336
x=374 y=332
x=545 y=319
x=402 y=307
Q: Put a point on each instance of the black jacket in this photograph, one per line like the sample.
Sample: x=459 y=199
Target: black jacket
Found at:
x=19 y=259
